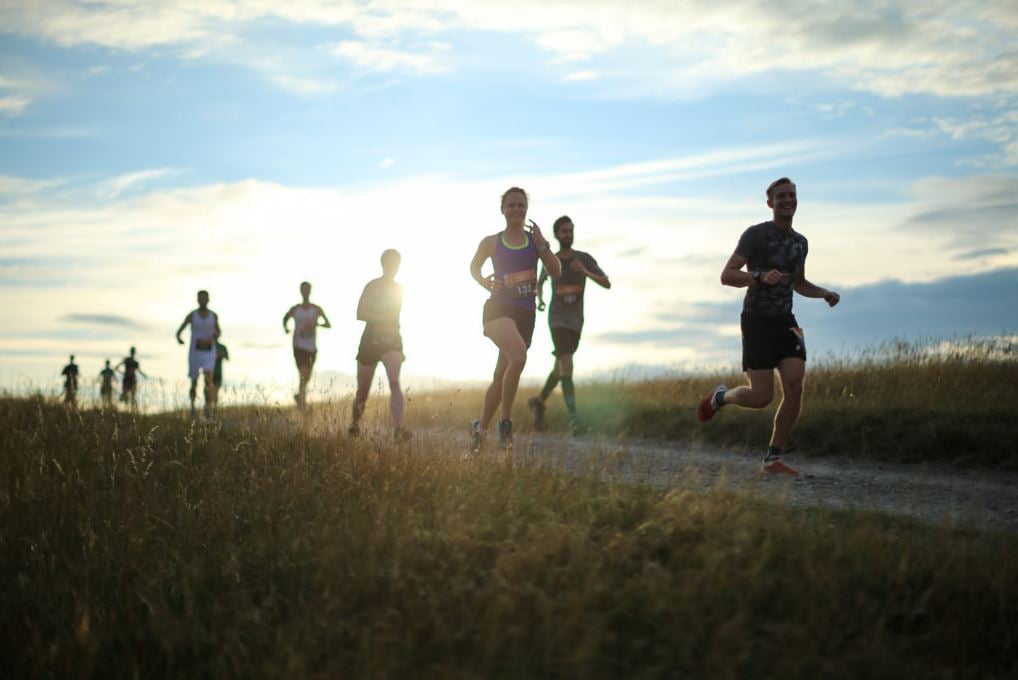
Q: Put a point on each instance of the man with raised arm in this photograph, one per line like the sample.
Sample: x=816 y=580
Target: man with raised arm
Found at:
x=565 y=318
x=774 y=257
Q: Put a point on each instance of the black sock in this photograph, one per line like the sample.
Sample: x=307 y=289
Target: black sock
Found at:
x=773 y=452
x=549 y=384
x=719 y=399
x=569 y=394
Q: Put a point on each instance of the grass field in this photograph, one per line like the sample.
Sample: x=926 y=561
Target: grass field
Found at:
x=265 y=545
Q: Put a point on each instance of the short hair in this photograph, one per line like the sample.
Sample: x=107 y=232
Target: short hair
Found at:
x=559 y=222
x=132 y=350
x=305 y=283
x=517 y=190
x=390 y=254
x=203 y=292
x=776 y=183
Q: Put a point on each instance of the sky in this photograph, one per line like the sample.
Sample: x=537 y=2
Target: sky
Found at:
x=150 y=149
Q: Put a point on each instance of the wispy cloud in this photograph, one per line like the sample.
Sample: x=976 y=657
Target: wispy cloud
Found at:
x=104 y=320
x=380 y=58
x=132 y=180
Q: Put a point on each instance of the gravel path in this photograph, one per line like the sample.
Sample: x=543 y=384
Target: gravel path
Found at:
x=934 y=494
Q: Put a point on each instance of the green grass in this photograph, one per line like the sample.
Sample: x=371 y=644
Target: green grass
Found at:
x=269 y=547
x=904 y=404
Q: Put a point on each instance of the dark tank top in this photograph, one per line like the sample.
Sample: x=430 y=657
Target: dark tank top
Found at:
x=516 y=268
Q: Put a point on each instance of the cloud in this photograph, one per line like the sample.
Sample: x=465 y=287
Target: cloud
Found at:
x=942 y=47
x=122 y=183
x=104 y=320
x=378 y=58
x=981 y=253
x=975 y=212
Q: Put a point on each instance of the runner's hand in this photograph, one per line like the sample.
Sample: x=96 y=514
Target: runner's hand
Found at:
x=539 y=240
x=179 y=341
x=832 y=298
x=540 y=305
x=577 y=266
x=772 y=277
x=494 y=285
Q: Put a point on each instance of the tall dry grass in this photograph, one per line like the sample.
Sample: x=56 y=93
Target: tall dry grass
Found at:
x=265 y=545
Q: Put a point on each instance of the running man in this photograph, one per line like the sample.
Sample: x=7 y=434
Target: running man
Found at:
x=106 y=388
x=307 y=317
x=379 y=308
x=774 y=255
x=201 y=355
x=508 y=315
x=222 y=354
x=129 y=388
x=565 y=318
x=70 y=374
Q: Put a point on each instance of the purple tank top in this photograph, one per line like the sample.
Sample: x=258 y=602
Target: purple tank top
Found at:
x=516 y=268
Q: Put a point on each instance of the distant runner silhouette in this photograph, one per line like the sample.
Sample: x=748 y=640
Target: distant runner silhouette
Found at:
x=129 y=389
x=508 y=316
x=307 y=318
x=565 y=318
x=70 y=374
x=379 y=307
x=201 y=355
x=222 y=354
x=774 y=255
x=106 y=387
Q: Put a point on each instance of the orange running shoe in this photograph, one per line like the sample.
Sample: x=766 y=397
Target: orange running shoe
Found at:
x=776 y=467
x=706 y=410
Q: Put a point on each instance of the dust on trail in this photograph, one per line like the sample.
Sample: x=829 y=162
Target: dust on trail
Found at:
x=939 y=494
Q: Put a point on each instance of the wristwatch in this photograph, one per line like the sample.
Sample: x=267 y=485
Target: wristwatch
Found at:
x=756 y=276
x=546 y=247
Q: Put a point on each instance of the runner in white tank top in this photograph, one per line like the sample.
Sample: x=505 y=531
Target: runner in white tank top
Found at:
x=202 y=352
x=307 y=317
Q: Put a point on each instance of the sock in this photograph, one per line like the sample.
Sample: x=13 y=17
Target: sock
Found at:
x=772 y=453
x=719 y=399
x=549 y=385
x=569 y=394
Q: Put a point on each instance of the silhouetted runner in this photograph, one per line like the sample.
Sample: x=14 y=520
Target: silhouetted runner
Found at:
x=106 y=388
x=307 y=318
x=379 y=308
x=129 y=389
x=201 y=355
x=70 y=374
x=774 y=255
x=508 y=315
x=222 y=354
x=565 y=318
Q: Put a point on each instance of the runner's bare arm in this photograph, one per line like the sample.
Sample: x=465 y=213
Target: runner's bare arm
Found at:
x=363 y=305
x=807 y=289
x=485 y=249
x=187 y=320
x=598 y=277
x=549 y=259
x=287 y=317
x=324 y=320
x=540 y=289
x=218 y=330
x=732 y=274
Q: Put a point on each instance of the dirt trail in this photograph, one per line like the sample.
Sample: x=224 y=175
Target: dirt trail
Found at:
x=934 y=494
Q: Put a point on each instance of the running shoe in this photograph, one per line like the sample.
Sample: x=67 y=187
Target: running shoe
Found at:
x=505 y=433
x=775 y=466
x=706 y=410
x=576 y=427
x=476 y=436
x=537 y=410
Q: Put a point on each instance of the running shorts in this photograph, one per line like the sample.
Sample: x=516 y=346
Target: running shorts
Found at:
x=305 y=359
x=521 y=316
x=769 y=338
x=565 y=341
x=375 y=344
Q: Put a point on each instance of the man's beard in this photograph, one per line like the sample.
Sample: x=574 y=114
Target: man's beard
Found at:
x=565 y=243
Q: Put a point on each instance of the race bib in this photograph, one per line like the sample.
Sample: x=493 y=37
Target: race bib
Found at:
x=569 y=294
x=521 y=284
x=203 y=345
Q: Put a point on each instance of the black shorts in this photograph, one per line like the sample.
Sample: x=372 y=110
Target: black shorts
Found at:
x=521 y=316
x=375 y=344
x=304 y=358
x=129 y=383
x=565 y=340
x=769 y=338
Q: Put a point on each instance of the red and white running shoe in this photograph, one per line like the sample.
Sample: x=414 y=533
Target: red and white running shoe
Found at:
x=706 y=410
x=775 y=466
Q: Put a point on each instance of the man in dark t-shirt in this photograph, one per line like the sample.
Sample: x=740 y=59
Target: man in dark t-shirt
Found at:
x=222 y=354
x=106 y=387
x=774 y=256
x=129 y=390
x=565 y=318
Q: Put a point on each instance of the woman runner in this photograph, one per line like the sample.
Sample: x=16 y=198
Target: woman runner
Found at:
x=508 y=316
